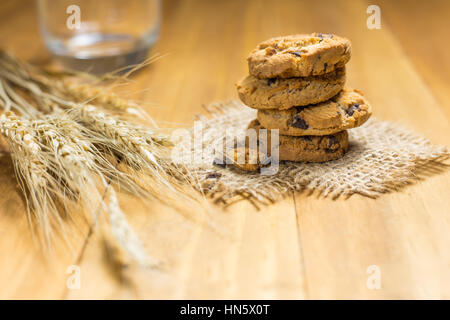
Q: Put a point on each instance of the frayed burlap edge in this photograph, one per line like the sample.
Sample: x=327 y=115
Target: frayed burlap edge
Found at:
x=382 y=157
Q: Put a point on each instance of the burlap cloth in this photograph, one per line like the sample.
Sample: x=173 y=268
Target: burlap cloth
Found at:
x=382 y=157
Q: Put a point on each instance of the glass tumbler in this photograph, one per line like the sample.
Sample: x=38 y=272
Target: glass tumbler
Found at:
x=99 y=36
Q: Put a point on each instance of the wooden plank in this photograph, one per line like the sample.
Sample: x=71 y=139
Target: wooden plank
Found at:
x=422 y=42
x=26 y=272
x=405 y=234
x=263 y=260
x=239 y=253
x=315 y=248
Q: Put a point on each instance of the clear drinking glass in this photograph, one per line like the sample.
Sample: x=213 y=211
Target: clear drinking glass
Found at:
x=99 y=35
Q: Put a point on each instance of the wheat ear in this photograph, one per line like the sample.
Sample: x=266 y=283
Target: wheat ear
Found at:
x=64 y=147
x=97 y=95
x=64 y=89
x=39 y=185
x=140 y=148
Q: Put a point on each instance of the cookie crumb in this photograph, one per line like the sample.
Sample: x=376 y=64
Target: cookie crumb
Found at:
x=213 y=175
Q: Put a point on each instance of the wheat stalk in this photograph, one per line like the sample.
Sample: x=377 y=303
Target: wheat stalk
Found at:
x=66 y=90
x=41 y=187
x=57 y=166
x=95 y=95
x=141 y=148
x=65 y=150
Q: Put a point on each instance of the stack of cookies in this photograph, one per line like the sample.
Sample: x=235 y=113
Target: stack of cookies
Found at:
x=297 y=84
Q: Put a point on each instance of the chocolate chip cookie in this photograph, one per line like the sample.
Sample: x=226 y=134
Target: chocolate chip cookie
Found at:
x=307 y=148
x=247 y=159
x=277 y=93
x=349 y=109
x=299 y=55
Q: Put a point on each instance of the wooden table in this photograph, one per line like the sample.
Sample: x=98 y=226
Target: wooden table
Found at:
x=304 y=247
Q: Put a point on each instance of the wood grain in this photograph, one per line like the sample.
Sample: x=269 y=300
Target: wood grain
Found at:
x=303 y=247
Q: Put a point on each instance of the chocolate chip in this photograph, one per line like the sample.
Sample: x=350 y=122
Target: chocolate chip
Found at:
x=332 y=145
x=298 y=54
x=332 y=140
x=350 y=110
x=325 y=65
x=213 y=175
x=299 y=108
x=306 y=138
x=271 y=81
x=270 y=51
x=300 y=123
x=219 y=162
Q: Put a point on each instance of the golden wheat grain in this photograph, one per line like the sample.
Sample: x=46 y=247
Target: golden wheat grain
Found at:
x=64 y=151
x=99 y=96
x=81 y=154
x=139 y=147
x=147 y=144
x=56 y=87
x=124 y=234
x=31 y=169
